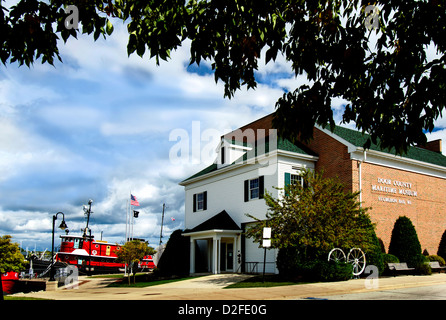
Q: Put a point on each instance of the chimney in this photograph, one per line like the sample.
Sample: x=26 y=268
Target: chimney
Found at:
x=434 y=145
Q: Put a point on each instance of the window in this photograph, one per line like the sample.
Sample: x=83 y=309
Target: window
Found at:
x=200 y=201
x=293 y=179
x=254 y=188
x=296 y=179
x=222 y=155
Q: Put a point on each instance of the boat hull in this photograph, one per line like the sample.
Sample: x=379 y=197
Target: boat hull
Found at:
x=9 y=281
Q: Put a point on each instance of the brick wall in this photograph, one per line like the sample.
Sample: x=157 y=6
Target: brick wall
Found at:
x=334 y=159
x=426 y=210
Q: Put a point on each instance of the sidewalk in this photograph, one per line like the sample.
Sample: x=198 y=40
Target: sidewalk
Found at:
x=211 y=288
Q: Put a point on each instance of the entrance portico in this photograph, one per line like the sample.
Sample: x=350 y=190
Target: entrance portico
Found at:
x=215 y=245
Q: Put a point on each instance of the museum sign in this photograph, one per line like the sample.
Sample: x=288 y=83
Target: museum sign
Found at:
x=394 y=188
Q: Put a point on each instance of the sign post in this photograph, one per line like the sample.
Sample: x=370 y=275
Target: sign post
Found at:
x=266 y=244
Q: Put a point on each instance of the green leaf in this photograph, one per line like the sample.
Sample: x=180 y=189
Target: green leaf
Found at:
x=109 y=27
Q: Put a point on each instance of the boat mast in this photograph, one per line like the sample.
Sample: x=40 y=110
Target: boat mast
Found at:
x=87 y=211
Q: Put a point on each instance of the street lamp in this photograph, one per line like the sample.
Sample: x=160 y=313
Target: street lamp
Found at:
x=62 y=226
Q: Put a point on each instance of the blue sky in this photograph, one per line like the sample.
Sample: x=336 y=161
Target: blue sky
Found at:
x=98 y=126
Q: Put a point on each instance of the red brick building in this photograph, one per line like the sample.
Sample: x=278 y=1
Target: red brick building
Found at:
x=218 y=198
x=413 y=185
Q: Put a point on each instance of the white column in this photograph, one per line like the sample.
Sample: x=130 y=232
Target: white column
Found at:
x=192 y=256
x=216 y=254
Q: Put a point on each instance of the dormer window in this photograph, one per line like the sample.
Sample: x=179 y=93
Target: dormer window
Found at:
x=222 y=155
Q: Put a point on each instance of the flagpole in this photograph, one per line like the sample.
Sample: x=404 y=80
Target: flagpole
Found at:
x=130 y=220
x=126 y=220
x=126 y=231
x=162 y=222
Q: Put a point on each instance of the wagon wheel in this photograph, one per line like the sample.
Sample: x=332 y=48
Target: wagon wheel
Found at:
x=336 y=255
x=357 y=258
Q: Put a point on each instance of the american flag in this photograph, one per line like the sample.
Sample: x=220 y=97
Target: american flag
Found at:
x=133 y=200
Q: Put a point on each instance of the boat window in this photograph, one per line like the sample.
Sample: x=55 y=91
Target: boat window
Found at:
x=77 y=243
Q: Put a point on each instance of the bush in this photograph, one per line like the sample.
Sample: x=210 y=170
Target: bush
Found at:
x=288 y=262
x=442 y=246
x=390 y=258
x=374 y=255
x=423 y=269
x=422 y=266
x=437 y=258
x=325 y=271
x=292 y=265
x=404 y=242
x=175 y=258
x=334 y=271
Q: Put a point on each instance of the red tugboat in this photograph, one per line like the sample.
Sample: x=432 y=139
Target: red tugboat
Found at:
x=94 y=256
x=9 y=281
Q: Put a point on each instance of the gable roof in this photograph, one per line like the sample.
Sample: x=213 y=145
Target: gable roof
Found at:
x=282 y=144
x=350 y=136
x=358 y=139
x=220 y=221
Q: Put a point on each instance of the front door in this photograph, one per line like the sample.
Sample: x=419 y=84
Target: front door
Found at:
x=227 y=256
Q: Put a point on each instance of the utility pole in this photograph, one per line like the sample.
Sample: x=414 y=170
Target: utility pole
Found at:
x=162 y=222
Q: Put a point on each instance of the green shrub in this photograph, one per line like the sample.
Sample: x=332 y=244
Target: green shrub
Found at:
x=437 y=258
x=404 y=242
x=334 y=271
x=175 y=258
x=422 y=259
x=442 y=246
x=325 y=271
x=423 y=269
x=287 y=262
x=422 y=266
x=374 y=255
x=390 y=258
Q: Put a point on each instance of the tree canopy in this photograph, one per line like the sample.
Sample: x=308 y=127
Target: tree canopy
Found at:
x=377 y=59
x=317 y=217
x=11 y=259
x=132 y=252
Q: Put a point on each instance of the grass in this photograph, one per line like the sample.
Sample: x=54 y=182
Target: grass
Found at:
x=269 y=281
x=11 y=298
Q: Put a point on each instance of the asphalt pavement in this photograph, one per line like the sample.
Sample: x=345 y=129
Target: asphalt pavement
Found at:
x=211 y=287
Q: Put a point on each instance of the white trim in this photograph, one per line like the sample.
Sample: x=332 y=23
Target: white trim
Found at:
x=259 y=160
x=402 y=163
x=209 y=233
x=399 y=163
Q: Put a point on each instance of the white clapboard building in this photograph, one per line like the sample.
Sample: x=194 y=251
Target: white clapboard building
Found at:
x=250 y=160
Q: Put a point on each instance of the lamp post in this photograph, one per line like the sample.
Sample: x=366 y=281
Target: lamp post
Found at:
x=62 y=226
